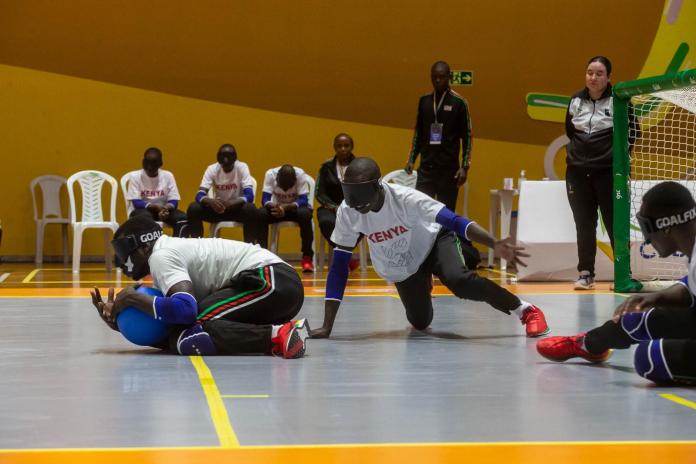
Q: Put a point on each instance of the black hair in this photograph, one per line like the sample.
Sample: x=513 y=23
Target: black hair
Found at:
x=137 y=226
x=362 y=169
x=666 y=199
x=601 y=59
x=440 y=63
x=343 y=134
x=153 y=150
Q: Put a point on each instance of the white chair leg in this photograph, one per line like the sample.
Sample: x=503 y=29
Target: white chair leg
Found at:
x=77 y=248
x=274 y=238
x=64 y=228
x=363 y=254
x=320 y=253
x=108 y=253
x=40 y=229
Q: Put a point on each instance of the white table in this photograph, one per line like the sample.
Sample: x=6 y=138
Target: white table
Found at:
x=500 y=203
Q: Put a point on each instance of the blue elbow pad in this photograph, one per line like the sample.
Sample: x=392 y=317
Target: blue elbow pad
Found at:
x=200 y=195
x=180 y=308
x=139 y=204
x=174 y=203
x=302 y=200
x=451 y=221
x=248 y=194
x=338 y=274
x=265 y=198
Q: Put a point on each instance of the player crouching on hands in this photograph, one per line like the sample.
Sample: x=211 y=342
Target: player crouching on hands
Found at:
x=411 y=237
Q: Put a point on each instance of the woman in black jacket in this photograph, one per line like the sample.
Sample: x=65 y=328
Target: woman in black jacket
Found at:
x=328 y=190
x=589 y=179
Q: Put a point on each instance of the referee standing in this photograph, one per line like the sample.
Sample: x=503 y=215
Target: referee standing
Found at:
x=443 y=129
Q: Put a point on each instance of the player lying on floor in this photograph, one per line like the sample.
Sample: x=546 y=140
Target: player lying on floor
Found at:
x=661 y=324
x=221 y=296
x=411 y=236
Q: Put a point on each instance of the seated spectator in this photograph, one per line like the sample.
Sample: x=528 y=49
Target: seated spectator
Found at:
x=285 y=199
x=233 y=198
x=153 y=193
x=328 y=191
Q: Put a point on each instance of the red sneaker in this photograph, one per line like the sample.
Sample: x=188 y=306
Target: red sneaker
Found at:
x=290 y=341
x=560 y=349
x=354 y=264
x=307 y=265
x=534 y=321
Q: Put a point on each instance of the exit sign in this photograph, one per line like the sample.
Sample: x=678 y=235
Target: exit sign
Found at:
x=461 y=77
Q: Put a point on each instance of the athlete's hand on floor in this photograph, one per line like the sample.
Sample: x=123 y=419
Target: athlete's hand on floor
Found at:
x=319 y=333
x=634 y=304
x=510 y=252
x=104 y=308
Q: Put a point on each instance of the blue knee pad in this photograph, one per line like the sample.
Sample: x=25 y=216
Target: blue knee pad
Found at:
x=195 y=341
x=650 y=363
x=636 y=325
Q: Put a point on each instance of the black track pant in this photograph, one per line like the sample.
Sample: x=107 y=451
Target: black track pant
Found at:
x=589 y=189
x=302 y=216
x=176 y=218
x=446 y=262
x=439 y=185
x=677 y=328
x=327 y=222
x=238 y=318
x=246 y=214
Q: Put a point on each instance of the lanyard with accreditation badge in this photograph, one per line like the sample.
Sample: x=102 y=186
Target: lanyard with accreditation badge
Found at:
x=436 y=127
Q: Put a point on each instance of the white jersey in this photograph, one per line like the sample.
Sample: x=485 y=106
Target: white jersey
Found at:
x=227 y=185
x=158 y=190
x=208 y=263
x=278 y=195
x=399 y=236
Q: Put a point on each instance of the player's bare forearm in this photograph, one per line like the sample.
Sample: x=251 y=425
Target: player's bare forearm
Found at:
x=330 y=311
x=478 y=234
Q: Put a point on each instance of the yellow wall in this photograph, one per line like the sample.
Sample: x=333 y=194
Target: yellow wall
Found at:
x=54 y=124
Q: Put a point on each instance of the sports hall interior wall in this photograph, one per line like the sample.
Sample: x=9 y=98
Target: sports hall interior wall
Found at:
x=90 y=86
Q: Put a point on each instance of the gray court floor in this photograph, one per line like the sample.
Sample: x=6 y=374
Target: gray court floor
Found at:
x=66 y=380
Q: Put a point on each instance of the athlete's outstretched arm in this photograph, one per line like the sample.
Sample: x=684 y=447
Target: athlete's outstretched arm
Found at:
x=335 y=286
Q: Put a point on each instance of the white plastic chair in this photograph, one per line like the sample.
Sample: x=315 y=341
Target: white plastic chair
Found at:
x=215 y=227
x=324 y=245
x=92 y=217
x=400 y=177
x=275 y=228
x=125 y=180
x=51 y=212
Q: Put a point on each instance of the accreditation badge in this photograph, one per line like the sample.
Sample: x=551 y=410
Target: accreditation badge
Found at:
x=436 y=133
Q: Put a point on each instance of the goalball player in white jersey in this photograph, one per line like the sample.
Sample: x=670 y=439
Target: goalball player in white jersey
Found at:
x=153 y=192
x=661 y=324
x=285 y=198
x=411 y=236
x=220 y=296
x=234 y=196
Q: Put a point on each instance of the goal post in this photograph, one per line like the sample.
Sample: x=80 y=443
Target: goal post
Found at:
x=660 y=145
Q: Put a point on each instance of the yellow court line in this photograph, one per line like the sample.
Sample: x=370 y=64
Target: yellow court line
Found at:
x=30 y=276
x=218 y=412
x=245 y=396
x=679 y=400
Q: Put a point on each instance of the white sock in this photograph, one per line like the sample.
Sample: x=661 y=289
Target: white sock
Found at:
x=520 y=309
x=274 y=330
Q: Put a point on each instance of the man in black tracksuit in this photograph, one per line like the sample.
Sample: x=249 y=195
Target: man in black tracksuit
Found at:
x=443 y=128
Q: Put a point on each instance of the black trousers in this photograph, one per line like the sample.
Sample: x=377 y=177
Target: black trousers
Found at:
x=327 y=222
x=440 y=185
x=446 y=262
x=302 y=216
x=589 y=189
x=176 y=218
x=676 y=327
x=246 y=214
x=238 y=317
